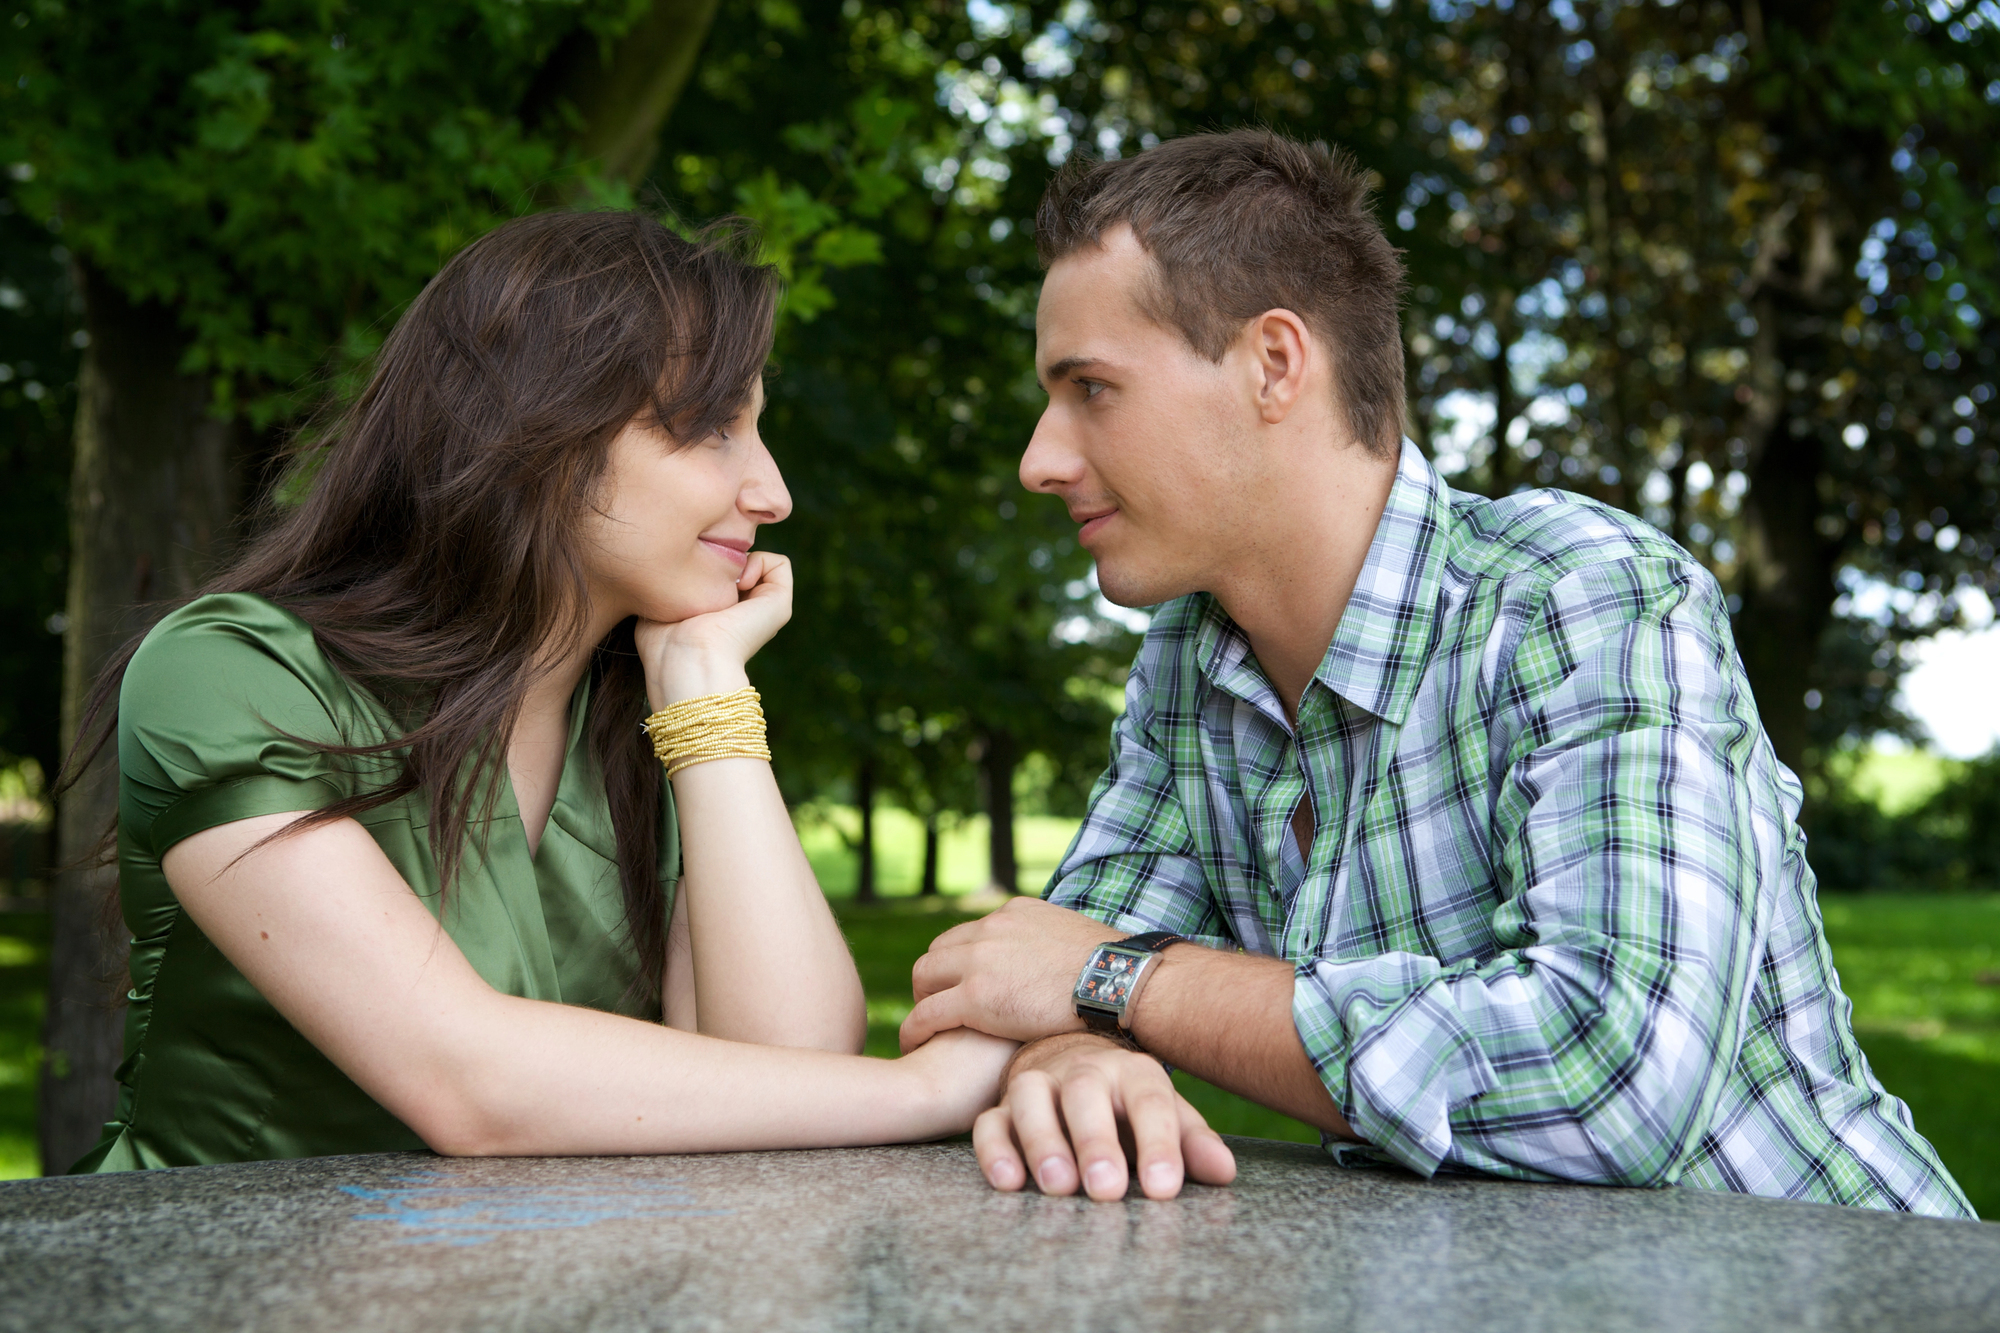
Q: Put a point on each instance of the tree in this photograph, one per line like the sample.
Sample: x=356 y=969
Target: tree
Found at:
x=241 y=190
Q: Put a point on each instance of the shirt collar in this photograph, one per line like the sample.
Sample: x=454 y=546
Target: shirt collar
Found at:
x=1383 y=643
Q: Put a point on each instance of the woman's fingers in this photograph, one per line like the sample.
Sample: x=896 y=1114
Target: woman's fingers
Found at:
x=766 y=573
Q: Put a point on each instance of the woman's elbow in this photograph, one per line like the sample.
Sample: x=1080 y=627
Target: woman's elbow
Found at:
x=454 y=1121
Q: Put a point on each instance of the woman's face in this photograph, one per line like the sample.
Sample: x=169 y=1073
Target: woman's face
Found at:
x=674 y=524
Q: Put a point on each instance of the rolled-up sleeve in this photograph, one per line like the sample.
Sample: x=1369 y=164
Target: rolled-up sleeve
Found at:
x=1627 y=851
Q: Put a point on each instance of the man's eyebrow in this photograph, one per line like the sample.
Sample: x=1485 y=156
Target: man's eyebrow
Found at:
x=1062 y=369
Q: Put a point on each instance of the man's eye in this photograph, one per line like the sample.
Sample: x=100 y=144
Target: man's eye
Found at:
x=1091 y=388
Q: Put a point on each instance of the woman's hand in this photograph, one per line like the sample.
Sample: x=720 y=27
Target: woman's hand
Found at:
x=960 y=1072
x=705 y=654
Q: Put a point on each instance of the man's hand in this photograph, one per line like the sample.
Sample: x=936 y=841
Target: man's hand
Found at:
x=1010 y=973
x=1066 y=1099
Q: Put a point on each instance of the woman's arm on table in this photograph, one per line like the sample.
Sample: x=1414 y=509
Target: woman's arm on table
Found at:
x=327 y=930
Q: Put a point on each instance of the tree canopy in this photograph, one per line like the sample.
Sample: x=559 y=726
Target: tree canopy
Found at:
x=1727 y=265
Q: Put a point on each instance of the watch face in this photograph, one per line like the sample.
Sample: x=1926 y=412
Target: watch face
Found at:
x=1107 y=978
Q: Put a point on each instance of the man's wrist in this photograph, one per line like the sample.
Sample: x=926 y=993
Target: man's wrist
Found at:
x=1142 y=1019
x=1042 y=1050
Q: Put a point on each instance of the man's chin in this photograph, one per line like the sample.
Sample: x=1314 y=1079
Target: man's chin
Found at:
x=1133 y=589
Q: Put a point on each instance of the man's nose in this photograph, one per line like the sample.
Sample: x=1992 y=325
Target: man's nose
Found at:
x=1050 y=461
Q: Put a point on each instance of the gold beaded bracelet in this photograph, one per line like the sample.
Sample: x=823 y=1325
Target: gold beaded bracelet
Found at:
x=711 y=726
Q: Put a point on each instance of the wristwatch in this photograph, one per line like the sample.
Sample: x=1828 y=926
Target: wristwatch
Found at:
x=1110 y=980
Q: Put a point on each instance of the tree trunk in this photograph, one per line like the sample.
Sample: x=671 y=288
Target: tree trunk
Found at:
x=864 y=797
x=1787 y=586
x=929 y=885
x=614 y=101
x=157 y=486
x=996 y=765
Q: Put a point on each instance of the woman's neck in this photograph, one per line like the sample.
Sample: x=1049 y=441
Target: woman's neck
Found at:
x=540 y=739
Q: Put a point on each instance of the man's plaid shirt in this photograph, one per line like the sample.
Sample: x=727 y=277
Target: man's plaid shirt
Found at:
x=1557 y=922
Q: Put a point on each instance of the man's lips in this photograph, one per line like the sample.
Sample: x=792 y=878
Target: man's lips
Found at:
x=733 y=549
x=1092 y=523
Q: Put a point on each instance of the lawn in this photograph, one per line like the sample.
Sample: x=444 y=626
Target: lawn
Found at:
x=1924 y=974
x=24 y=961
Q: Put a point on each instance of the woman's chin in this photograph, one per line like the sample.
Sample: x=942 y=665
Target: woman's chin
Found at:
x=671 y=611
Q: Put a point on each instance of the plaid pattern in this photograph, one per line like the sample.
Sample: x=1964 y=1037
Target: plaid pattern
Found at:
x=1557 y=922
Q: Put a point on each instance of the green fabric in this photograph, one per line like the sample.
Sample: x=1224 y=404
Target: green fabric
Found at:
x=217 y=722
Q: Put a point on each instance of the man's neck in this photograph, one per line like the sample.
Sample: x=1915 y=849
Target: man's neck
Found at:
x=1289 y=595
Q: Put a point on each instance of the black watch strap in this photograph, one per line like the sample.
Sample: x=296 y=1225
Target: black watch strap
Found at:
x=1152 y=941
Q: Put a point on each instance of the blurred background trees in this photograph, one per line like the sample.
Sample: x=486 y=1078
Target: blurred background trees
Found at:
x=1726 y=265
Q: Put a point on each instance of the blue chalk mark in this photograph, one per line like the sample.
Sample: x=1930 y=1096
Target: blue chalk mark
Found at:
x=437 y=1211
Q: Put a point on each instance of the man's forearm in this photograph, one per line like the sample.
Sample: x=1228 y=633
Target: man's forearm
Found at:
x=1227 y=1018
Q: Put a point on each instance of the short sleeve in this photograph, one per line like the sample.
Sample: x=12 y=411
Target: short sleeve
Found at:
x=222 y=716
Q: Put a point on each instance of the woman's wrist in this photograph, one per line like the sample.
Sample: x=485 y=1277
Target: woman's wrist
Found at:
x=690 y=673
x=929 y=1108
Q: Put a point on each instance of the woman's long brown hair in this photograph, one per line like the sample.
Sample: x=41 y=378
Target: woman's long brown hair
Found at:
x=436 y=551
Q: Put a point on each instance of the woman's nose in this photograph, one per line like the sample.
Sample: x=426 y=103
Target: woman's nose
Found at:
x=764 y=497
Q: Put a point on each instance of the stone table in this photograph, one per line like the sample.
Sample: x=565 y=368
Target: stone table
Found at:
x=911 y=1238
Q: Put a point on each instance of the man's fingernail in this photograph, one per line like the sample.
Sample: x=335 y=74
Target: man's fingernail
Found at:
x=1050 y=1173
x=1160 y=1176
x=1102 y=1176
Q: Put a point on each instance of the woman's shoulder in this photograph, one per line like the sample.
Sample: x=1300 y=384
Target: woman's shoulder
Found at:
x=237 y=653
x=223 y=629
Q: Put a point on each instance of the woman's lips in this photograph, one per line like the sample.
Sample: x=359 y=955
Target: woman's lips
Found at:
x=737 y=556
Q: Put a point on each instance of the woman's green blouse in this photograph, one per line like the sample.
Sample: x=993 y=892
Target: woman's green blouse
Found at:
x=218 y=720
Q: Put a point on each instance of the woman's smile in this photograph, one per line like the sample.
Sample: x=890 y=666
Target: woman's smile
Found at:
x=736 y=550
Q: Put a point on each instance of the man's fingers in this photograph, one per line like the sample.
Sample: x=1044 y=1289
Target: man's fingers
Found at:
x=1208 y=1158
x=1092 y=1119
x=928 y=1017
x=1031 y=1104
x=1152 y=1109
x=999 y=1156
x=940 y=969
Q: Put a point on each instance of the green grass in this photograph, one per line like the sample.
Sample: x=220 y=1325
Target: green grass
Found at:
x=1924 y=975
x=24 y=961
x=1898 y=780
x=1039 y=843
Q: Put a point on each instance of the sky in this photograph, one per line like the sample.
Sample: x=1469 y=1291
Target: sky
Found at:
x=1952 y=690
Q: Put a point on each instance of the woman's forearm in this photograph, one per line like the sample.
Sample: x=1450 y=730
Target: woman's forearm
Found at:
x=323 y=926
x=528 y=1077
x=770 y=964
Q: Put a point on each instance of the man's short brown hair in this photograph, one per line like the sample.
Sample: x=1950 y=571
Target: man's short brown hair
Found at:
x=1245 y=222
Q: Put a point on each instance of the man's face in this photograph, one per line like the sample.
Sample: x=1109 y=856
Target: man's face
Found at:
x=1149 y=443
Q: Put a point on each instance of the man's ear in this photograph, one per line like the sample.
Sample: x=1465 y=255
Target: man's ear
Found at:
x=1281 y=352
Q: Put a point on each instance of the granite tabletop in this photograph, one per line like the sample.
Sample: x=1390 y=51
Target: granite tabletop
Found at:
x=911 y=1238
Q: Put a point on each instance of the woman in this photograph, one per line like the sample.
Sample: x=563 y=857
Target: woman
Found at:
x=398 y=862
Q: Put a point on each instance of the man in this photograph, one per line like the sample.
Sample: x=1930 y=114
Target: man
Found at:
x=1470 y=846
